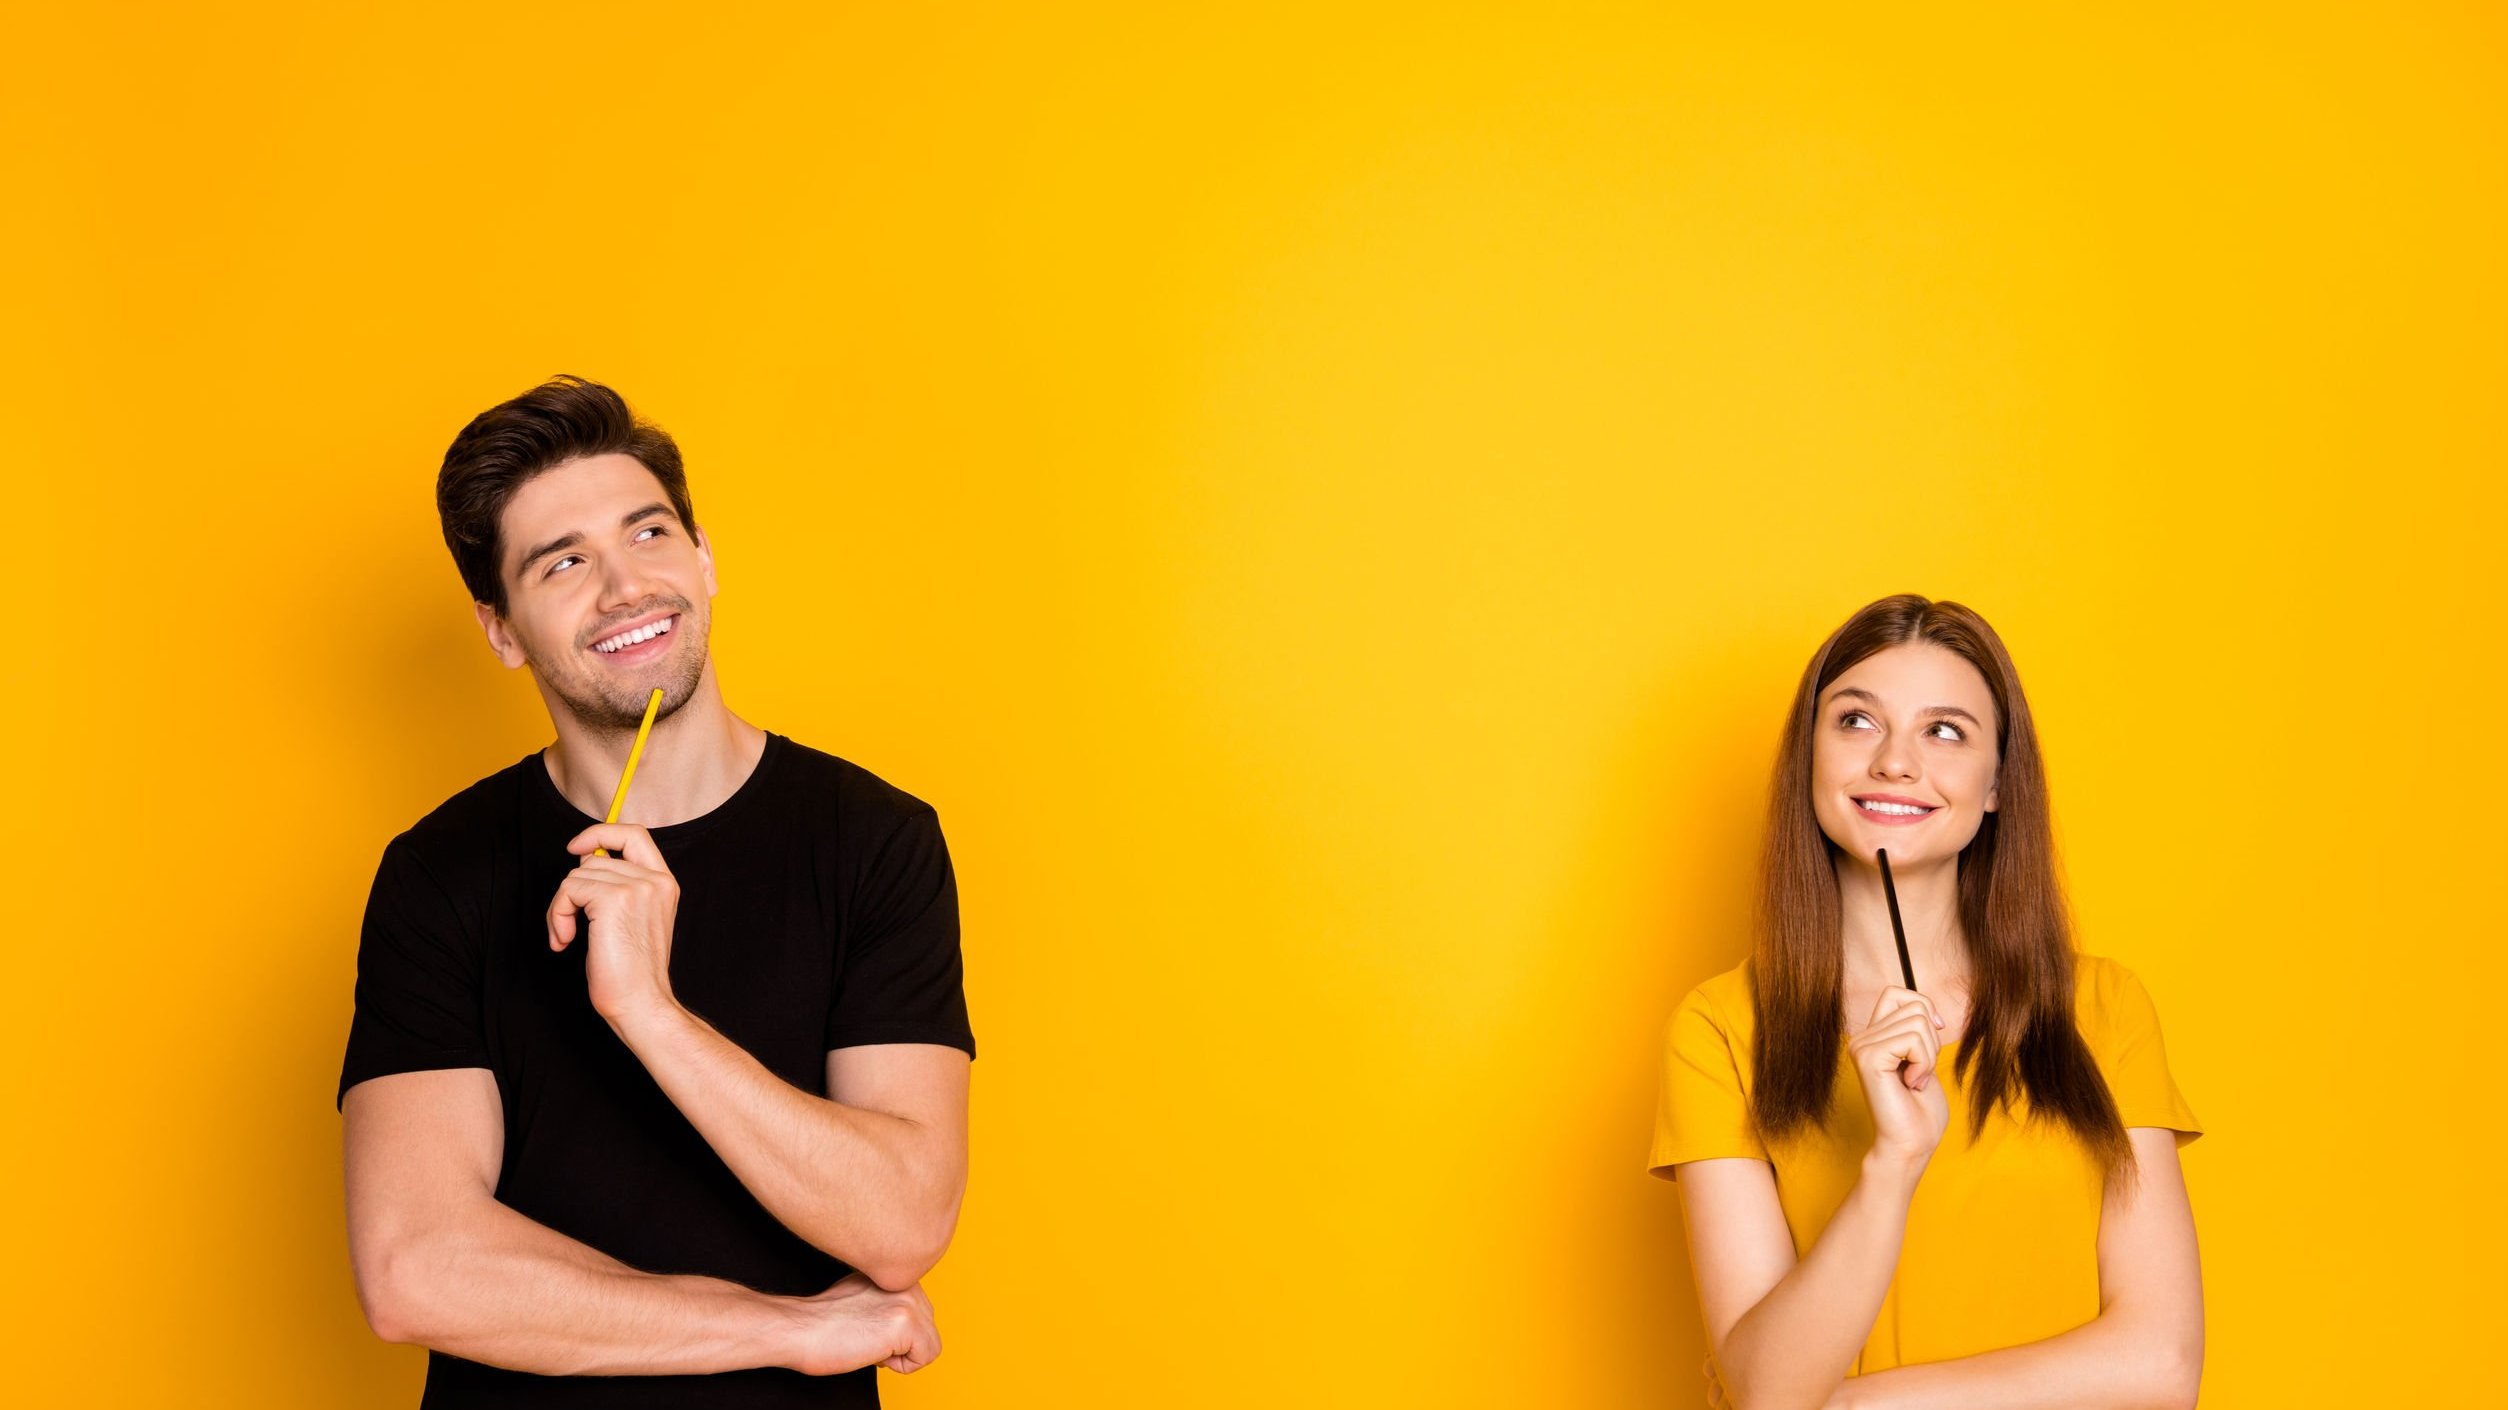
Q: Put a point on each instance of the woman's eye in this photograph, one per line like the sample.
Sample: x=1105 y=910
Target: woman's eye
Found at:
x=1867 y=719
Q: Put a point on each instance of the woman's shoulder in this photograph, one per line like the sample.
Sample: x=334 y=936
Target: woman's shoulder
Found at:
x=2097 y=974
x=2121 y=1024
x=2107 y=995
x=1723 y=998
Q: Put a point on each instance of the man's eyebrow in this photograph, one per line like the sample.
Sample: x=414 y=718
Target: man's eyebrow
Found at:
x=569 y=540
x=1929 y=711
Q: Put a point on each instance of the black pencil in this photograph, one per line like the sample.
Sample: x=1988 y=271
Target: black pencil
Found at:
x=1890 y=889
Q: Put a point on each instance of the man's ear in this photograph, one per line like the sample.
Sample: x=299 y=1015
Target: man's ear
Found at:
x=705 y=555
x=501 y=639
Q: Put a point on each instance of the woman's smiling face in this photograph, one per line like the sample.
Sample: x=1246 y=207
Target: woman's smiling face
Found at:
x=1904 y=755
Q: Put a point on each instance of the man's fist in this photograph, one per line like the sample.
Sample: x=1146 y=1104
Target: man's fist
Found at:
x=856 y=1323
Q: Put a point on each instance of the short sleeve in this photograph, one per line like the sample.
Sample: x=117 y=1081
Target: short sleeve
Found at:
x=899 y=977
x=418 y=978
x=2135 y=1062
x=1701 y=1111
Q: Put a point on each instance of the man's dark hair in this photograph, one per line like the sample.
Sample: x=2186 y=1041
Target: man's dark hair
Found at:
x=565 y=418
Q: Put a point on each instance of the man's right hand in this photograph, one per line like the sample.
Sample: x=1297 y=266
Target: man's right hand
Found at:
x=857 y=1323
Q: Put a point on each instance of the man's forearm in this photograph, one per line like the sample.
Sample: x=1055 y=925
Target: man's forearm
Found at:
x=2108 y=1363
x=1792 y=1348
x=794 y=1150
x=500 y=1288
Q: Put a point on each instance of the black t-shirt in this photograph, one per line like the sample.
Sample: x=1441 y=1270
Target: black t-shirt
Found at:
x=817 y=910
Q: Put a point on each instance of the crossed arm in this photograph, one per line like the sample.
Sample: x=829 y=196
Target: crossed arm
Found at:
x=871 y=1174
x=441 y=1262
x=1786 y=1332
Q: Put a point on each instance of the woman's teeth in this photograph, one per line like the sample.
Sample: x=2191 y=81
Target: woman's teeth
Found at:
x=1900 y=810
x=624 y=640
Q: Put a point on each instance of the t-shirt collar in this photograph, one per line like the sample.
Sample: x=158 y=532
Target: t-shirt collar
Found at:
x=562 y=809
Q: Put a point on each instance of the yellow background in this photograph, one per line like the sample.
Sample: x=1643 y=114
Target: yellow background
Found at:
x=1330 y=503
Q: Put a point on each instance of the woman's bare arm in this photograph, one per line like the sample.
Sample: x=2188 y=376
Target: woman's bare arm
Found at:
x=1786 y=1332
x=2144 y=1351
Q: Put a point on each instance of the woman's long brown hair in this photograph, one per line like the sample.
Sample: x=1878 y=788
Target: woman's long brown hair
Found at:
x=2022 y=1041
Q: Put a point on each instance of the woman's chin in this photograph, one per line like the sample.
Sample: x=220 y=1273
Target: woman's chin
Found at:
x=1906 y=853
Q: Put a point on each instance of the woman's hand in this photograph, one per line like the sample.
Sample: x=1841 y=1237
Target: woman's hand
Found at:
x=1894 y=1055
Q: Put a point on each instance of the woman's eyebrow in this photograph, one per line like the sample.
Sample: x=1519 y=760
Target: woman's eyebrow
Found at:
x=1929 y=710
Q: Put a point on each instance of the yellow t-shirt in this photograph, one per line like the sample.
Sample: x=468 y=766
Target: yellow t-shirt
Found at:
x=2002 y=1238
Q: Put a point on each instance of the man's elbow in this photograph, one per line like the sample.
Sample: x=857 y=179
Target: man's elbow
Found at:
x=895 y=1273
x=406 y=1283
x=903 y=1263
x=910 y=1250
x=386 y=1327
x=383 y=1290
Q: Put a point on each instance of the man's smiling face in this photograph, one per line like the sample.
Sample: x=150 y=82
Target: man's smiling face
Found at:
x=608 y=594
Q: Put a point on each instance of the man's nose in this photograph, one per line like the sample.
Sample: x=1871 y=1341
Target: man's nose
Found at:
x=624 y=582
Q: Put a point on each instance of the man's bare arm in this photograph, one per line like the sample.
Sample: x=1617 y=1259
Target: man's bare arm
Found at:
x=872 y=1174
x=441 y=1263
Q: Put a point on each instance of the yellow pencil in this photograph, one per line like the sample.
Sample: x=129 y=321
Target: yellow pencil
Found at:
x=619 y=799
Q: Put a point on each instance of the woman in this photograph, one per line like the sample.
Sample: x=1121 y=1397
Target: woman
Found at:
x=1847 y=1252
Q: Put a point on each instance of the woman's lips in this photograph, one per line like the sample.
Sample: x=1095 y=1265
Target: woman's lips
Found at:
x=1891 y=819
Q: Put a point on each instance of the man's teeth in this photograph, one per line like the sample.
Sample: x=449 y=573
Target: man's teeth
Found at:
x=1891 y=807
x=624 y=640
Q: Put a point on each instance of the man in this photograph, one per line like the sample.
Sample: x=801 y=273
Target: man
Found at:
x=680 y=1125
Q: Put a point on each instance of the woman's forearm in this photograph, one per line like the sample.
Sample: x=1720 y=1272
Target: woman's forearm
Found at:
x=2108 y=1363
x=1797 y=1343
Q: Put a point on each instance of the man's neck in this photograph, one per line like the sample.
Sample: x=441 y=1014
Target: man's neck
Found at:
x=693 y=760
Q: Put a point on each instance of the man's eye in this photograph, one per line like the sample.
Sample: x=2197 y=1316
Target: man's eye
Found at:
x=647 y=529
